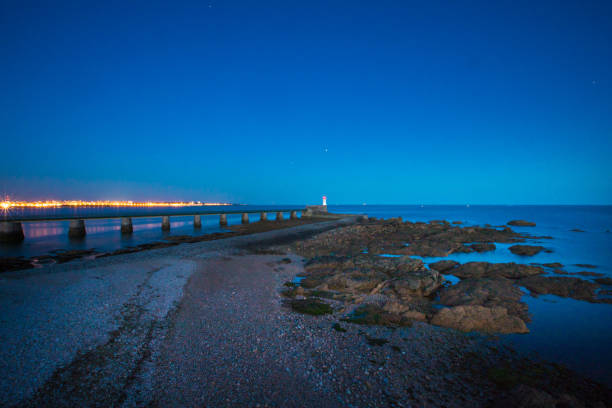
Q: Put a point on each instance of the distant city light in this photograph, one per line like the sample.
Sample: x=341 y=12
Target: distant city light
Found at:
x=7 y=204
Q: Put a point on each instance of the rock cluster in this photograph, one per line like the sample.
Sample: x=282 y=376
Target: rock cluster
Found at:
x=345 y=267
x=526 y=250
x=521 y=223
x=485 y=319
x=508 y=270
x=434 y=239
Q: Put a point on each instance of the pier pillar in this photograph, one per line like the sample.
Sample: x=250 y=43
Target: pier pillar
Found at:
x=263 y=216
x=76 y=229
x=279 y=216
x=11 y=232
x=197 y=221
x=222 y=219
x=293 y=215
x=245 y=218
x=165 y=223
x=126 y=225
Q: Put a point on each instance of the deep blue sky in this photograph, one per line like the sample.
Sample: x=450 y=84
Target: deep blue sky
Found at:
x=281 y=102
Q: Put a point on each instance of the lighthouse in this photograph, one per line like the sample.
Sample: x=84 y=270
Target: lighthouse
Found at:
x=324 y=200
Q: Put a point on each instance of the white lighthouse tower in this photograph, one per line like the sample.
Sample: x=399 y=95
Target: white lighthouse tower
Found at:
x=324 y=200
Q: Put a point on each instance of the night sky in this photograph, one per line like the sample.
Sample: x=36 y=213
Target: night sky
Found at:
x=266 y=102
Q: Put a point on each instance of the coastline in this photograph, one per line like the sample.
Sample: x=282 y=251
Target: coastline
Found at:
x=206 y=323
x=8 y=263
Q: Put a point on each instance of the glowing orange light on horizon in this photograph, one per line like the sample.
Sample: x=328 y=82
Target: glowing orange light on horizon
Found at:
x=7 y=204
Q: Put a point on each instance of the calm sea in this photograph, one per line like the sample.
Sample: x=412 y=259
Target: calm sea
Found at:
x=576 y=333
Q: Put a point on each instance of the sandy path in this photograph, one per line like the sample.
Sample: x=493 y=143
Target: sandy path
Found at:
x=229 y=342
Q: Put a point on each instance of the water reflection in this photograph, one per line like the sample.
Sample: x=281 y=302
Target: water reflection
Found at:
x=43 y=229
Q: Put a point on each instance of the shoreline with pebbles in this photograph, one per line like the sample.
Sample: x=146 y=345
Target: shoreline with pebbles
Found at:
x=211 y=323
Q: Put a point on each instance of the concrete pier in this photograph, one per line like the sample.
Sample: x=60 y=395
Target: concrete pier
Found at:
x=11 y=229
x=126 y=225
x=314 y=210
x=165 y=223
x=76 y=229
x=11 y=232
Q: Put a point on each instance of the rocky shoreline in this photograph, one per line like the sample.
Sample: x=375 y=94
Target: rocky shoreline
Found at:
x=365 y=274
x=368 y=269
x=306 y=316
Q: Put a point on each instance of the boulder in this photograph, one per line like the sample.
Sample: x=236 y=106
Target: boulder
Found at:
x=521 y=223
x=404 y=310
x=371 y=314
x=561 y=286
x=363 y=274
x=14 y=264
x=479 y=318
x=604 y=281
x=483 y=246
x=526 y=250
x=488 y=292
x=555 y=265
x=443 y=265
x=417 y=284
x=509 y=270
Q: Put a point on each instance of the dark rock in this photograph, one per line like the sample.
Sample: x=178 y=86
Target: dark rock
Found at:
x=521 y=223
x=66 y=256
x=311 y=307
x=576 y=230
x=443 y=265
x=406 y=310
x=588 y=273
x=14 y=264
x=561 y=286
x=526 y=250
x=374 y=315
x=488 y=292
x=385 y=237
x=483 y=247
x=586 y=266
x=479 y=318
x=416 y=284
x=604 y=281
x=553 y=265
x=339 y=328
x=402 y=277
x=375 y=341
x=457 y=222
x=509 y=270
